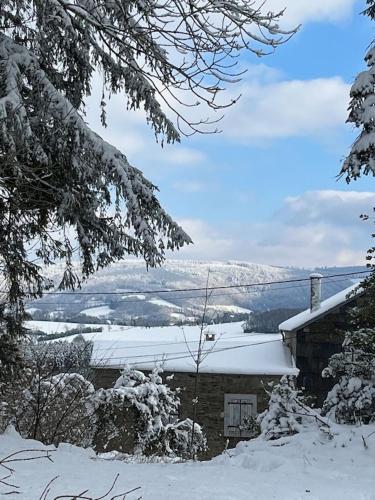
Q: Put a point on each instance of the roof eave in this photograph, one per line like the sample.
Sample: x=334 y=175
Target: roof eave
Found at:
x=324 y=313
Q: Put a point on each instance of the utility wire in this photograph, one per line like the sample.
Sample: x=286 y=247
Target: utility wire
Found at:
x=202 y=289
x=221 y=336
x=165 y=358
x=255 y=292
x=125 y=328
x=139 y=301
x=181 y=327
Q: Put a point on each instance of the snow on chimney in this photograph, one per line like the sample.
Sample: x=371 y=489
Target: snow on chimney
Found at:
x=316 y=291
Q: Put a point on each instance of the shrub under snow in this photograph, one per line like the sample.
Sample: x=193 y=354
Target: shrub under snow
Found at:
x=352 y=399
x=283 y=416
x=158 y=430
x=52 y=401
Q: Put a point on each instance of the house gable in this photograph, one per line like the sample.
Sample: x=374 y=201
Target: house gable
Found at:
x=314 y=337
x=328 y=306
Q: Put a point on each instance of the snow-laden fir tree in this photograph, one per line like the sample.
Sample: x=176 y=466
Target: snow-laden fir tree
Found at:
x=283 y=416
x=352 y=399
x=361 y=159
x=158 y=428
x=61 y=185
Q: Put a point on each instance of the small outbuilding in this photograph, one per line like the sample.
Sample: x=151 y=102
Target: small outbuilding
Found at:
x=234 y=370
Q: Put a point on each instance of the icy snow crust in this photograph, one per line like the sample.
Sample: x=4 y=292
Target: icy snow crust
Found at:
x=307 y=316
x=232 y=351
x=305 y=466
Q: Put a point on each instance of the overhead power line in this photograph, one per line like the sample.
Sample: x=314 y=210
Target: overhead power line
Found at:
x=164 y=357
x=186 y=297
x=203 y=289
x=221 y=336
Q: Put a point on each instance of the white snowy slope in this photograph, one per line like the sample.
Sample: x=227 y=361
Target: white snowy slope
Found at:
x=306 y=466
x=64 y=326
x=232 y=351
x=165 y=303
x=98 y=312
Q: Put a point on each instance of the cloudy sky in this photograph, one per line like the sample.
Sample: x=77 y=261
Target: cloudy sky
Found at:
x=266 y=190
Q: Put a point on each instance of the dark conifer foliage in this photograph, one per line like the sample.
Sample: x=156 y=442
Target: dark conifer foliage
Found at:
x=63 y=189
x=361 y=159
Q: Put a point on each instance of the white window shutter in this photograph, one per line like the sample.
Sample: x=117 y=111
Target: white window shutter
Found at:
x=237 y=409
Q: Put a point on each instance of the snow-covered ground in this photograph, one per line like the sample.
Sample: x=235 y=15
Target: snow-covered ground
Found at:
x=306 y=466
x=230 y=309
x=165 y=303
x=50 y=327
x=98 y=312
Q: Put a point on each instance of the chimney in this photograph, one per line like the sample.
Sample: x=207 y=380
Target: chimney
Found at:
x=316 y=291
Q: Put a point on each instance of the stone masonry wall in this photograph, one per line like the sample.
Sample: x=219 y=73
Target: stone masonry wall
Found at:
x=316 y=344
x=210 y=410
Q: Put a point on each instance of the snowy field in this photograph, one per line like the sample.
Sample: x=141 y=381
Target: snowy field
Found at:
x=306 y=466
x=51 y=327
x=97 y=312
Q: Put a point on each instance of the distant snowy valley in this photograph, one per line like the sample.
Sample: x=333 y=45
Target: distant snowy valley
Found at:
x=110 y=296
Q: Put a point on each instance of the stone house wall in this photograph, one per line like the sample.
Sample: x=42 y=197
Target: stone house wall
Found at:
x=210 y=410
x=316 y=343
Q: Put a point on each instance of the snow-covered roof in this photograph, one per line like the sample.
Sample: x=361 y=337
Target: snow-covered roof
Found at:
x=306 y=317
x=232 y=352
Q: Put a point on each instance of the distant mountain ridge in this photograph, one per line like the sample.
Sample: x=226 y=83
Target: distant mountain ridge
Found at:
x=129 y=276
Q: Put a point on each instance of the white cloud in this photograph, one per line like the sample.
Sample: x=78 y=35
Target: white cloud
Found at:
x=317 y=228
x=128 y=131
x=288 y=109
x=341 y=208
x=270 y=107
x=303 y=11
x=209 y=243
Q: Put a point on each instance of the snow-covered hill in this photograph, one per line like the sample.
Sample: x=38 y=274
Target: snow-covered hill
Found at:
x=129 y=276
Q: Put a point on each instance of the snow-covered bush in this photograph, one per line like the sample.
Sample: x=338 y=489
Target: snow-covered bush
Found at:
x=58 y=409
x=283 y=416
x=59 y=357
x=157 y=428
x=52 y=409
x=178 y=439
x=49 y=400
x=352 y=398
x=251 y=425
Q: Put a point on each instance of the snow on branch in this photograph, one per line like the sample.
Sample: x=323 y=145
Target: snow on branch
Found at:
x=361 y=158
x=170 y=52
x=143 y=211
